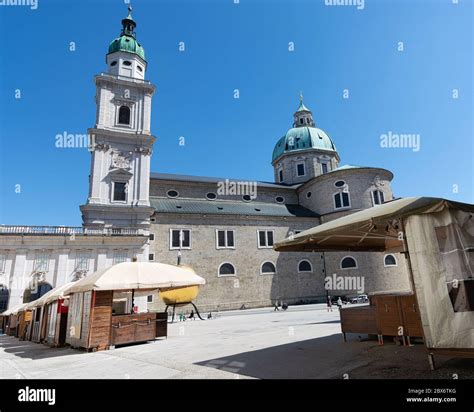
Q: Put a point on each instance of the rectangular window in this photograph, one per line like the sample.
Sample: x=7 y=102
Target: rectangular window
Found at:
x=324 y=167
x=41 y=262
x=280 y=175
x=3 y=260
x=120 y=256
x=225 y=239
x=265 y=238
x=345 y=199
x=300 y=169
x=149 y=299
x=180 y=239
x=151 y=257
x=341 y=200
x=152 y=236
x=378 y=197
x=82 y=261
x=119 y=192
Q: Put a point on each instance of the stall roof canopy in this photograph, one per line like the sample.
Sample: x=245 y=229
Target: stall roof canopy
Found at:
x=55 y=294
x=136 y=276
x=14 y=310
x=374 y=229
x=51 y=296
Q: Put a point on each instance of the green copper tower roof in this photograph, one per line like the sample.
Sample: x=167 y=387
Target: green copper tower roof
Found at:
x=127 y=41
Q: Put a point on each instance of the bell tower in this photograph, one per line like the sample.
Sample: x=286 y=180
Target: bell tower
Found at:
x=121 y=141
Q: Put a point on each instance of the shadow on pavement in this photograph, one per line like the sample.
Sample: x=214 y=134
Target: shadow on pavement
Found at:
x=32 y=350
x=325 y=358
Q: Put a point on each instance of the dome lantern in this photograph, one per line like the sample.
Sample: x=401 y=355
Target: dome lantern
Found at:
x=129 y=24
x=303 y=116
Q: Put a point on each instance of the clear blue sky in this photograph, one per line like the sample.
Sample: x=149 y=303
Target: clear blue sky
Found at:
x=243 y=47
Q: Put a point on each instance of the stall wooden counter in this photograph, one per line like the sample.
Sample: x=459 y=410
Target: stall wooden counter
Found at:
x=389 y=314
x=139 y=327
x=359 y=319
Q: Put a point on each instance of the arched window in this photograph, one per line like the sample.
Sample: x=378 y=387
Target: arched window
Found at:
x=124 y=115
x=226 y=269
x=389 y=260
x=268 y=268
x=305 y=266
x=36 y=291
x=4 y=295
x=341 y=200
x=348 y=262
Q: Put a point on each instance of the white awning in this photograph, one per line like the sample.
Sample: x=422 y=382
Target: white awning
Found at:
x=375 y=229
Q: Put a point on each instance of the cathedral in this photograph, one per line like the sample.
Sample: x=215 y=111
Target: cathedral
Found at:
x=226 y=235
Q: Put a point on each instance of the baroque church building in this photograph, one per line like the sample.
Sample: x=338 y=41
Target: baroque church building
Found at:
x=133 y=214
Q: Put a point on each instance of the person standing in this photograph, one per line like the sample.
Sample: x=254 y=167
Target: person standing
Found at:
x=329 y=304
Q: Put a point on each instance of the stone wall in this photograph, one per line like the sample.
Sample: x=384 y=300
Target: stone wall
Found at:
x=360 y=183
x=250 y=288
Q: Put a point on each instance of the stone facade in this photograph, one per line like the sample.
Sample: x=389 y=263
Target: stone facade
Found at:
x=131 y=213
x=249 y=287
x=35 y=256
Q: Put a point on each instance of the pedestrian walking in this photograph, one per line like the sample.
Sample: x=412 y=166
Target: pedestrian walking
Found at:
x=329 y=304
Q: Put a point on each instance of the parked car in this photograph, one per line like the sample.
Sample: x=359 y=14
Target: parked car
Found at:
x=360 y=299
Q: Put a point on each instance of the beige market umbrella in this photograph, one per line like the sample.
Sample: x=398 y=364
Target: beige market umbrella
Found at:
x=137 y=276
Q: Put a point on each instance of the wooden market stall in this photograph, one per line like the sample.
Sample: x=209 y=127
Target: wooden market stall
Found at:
x=11 y=319
x=437 y=238
x=44 y=316
x=55 y=309
x=24 y=318
x=37 y=317
x=102 y=310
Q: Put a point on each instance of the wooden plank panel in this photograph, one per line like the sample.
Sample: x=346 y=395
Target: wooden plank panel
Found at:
x=101 y=320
